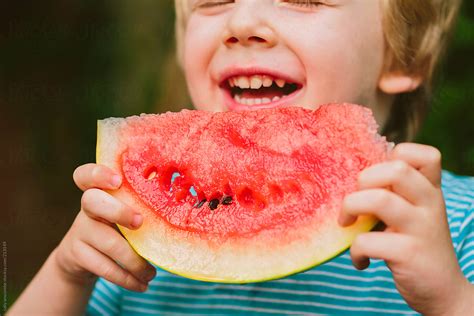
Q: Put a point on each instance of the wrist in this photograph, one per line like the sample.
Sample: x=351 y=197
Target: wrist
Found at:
x=54 y=291
x=464 y=303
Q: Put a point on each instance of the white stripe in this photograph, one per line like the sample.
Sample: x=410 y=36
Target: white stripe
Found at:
x=456 y=205
x=447 y=181
x=279 y=301
x=337 y=286
x=468 y=245
x=461 y=190
x=464 y=182
x=213 y=306
x=111 y=286
x=350 y=277
x=106 y=303
x=467 y=265
x=346 y=256
x=470 y=239
x=467 y=199
x=458 y=215
x=462 y=203
x=143 y=310
x=184 y=314
x=155 y=312
x=455 y=224
x=103 y=289
x=285 y=291
x=468 y=220
x=97 y=307
x=466 y=255
x=470 y=236
x=458 y=197
x=470 y=274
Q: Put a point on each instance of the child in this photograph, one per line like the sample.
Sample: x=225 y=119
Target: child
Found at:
x=378 y=53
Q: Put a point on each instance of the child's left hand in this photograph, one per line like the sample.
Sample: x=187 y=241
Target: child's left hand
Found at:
x=405 y=194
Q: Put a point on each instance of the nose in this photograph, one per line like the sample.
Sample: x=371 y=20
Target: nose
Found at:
x=248 y=25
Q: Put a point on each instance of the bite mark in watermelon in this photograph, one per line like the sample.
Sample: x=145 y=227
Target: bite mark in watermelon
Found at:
x=241 y=197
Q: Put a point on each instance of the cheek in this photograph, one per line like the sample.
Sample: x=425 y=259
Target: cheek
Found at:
x=200 y=43
x=194 y=53
x=341 y=65
x=342 y=75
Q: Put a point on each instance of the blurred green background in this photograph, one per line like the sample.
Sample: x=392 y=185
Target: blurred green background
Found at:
x=65 y=64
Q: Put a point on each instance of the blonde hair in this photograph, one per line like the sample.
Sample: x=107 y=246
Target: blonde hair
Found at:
x=416 y=33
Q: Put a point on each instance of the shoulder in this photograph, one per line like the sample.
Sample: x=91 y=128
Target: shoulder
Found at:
x=458 y=191
x=457 y=183
x=458 y=194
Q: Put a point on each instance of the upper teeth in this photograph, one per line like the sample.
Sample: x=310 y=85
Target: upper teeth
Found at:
x=254 y=82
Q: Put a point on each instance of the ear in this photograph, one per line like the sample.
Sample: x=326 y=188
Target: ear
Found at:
x=396 y=82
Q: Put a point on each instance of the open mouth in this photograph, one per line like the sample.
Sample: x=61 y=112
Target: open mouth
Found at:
x=258 y=89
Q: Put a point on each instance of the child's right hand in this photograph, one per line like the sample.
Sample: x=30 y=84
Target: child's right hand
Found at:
x=92 y=246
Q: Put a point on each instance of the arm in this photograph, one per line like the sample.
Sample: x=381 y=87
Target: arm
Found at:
x=53 y=292
x=405 y=193
x=92 y=247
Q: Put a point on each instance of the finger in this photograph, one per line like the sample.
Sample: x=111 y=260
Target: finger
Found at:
x=97 y=263
x=96 y=176
x=401 y=178
x=99 y=204
x=390 y=208
x=426 y=159
x=109 y=242
x=389 y=246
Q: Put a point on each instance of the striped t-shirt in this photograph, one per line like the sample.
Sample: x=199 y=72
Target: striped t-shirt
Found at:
x=335 y=287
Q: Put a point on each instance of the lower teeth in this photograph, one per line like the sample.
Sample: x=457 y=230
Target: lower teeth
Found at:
x=252 y=101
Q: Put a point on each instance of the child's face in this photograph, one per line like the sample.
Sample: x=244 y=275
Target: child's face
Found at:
x=325 y=51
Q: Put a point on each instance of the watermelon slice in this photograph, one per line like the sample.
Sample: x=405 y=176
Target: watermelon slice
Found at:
x=241 y=197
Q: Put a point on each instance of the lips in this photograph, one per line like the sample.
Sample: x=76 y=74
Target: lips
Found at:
x=253 y=88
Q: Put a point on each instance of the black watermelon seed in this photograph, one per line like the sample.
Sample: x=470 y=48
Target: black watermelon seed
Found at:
x=213 y=204
x=201 y=203
x=226 y=200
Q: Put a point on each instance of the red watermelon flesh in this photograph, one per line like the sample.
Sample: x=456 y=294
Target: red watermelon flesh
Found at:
x=241 y=196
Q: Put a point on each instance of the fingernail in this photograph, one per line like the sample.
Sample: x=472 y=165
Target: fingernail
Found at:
x=143 y=287
x=137 y=220
x=116 y=181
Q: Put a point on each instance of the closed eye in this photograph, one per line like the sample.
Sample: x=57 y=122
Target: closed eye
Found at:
x=303 y=3
x=203 y=4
